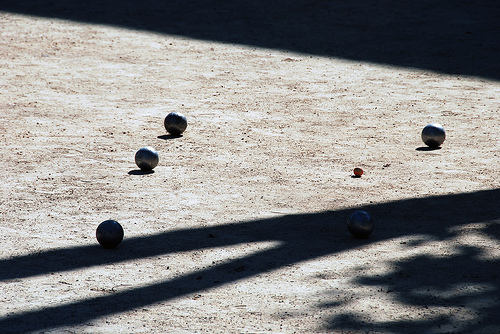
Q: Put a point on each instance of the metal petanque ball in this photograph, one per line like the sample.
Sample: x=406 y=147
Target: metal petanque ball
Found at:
x=433 y=135
x=360 y=224
x=175 y=123
x=109 y=234
x=146 y=158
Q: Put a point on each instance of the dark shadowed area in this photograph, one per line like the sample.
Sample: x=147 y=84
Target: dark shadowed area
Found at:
x=453 y=37
x=303 y=237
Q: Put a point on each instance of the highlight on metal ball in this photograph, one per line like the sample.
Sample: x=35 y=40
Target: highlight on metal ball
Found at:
x=360 y=224
x=433 y=135
x=147 y=158
x=175 y=123
x=109 y=233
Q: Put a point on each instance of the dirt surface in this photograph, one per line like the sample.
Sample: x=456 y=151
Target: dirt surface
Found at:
x=242 y=226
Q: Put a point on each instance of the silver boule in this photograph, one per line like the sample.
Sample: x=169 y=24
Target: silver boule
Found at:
x=433 y=135
x=175 y=123
x=360 y=224
x=146 y=158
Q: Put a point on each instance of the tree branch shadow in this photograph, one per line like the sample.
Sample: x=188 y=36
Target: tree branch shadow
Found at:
x=300 y=238
x=453 y=294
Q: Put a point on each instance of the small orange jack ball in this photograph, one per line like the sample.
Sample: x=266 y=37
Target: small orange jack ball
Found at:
x=358 y=171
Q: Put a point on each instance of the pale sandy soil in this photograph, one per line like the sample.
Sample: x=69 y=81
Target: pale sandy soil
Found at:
x=242 y=226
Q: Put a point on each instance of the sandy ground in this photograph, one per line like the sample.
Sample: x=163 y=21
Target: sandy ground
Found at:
x=242 y=226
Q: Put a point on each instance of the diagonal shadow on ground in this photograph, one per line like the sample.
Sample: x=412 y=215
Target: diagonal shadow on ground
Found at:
x=300 y=237
x=449 y=36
